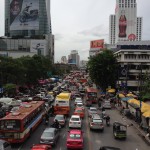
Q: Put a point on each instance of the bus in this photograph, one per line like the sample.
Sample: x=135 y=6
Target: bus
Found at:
x=17 y=126
x=91 y=95
x=62 y=104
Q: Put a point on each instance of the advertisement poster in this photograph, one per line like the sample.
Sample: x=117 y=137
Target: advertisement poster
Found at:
x=24 y=15
x=38 y=46
x=97 y=44
x=126 y=26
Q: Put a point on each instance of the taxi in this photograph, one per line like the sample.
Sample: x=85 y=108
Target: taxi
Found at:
x=79 y=111
x=41 y=147
x=75 y=139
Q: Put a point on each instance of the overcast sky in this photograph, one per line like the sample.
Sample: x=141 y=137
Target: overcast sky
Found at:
x=76 y=22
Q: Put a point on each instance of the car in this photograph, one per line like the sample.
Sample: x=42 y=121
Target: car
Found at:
x=96 y=122
x=80 y=105
x=79 y=111
x=92 y=110
x=41 y=147
x=109 y=148
x=75 y=122
x=74 y=139
x=49 y=136
x=4 y=145
x=61 y=119
x=77 y=100
x=107 y=105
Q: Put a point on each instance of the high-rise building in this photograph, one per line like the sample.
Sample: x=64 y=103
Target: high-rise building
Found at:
x=64 y=60
x=27 y=29
x=74 y=58
x=27 y=17
x=125 y=25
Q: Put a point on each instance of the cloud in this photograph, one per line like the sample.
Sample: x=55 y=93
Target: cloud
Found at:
x=58 y=37
x=98 y=31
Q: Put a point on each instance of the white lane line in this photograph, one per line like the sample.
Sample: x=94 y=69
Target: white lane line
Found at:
x=60 y=148
x=63 y=136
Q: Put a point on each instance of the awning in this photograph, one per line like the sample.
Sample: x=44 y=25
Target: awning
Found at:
x=111 y=91
x=131 y=95
x=121 y=95
x=146 y=114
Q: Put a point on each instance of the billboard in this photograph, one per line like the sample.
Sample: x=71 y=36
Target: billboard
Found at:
x=127 y=26
x=38 y=46
x=24 y=15
x=97 y=44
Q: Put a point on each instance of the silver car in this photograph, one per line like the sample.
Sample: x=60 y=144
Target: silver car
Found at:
x=61 y=119
x=92 y=110
x=107 y=105
x=96 y=122
x=49 y=136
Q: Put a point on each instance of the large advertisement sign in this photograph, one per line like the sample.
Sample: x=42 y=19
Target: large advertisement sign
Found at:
x=38 y=46
x=97 y=44
x=126 y=26
x=24 y=14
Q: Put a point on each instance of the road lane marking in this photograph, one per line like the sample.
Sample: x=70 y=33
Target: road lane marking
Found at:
x=63 y=136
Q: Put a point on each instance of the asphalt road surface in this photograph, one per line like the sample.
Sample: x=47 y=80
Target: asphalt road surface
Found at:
x=92 y=139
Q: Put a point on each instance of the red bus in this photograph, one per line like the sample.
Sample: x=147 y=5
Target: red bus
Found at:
x=16 y=127
x=91 y=95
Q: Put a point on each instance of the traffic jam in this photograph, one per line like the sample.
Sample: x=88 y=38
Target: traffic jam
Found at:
x=73 y=103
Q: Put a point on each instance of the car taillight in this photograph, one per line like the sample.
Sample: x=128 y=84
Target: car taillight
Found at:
x=92 y=123
x=78 y=122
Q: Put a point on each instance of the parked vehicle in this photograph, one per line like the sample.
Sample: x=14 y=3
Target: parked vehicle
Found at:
x=49 y=136
x=119 y=130
x=96 y=122
x=75 y=122
x=77 y=100
x=61 y=119
x=80 y=105
x=75 y=139
x=41 y=147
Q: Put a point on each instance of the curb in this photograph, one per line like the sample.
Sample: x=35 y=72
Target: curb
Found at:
x=142 y=135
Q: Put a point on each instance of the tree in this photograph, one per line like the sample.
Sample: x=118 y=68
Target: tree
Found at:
x=103 y=69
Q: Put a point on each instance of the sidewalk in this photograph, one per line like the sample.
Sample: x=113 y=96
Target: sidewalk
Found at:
x=142 y=133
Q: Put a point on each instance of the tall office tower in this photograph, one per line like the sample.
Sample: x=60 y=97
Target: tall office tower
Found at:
x=27 y=18
x=125 y=25
x=74 y=58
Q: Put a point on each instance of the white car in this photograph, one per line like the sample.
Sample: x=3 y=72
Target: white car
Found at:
x=107 y=105
x=79 y=105
x=75 y=122
x=77 y=100
x=92 y=110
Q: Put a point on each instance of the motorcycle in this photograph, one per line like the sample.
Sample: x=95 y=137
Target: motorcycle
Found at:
x=28 y=16
x=108 y=122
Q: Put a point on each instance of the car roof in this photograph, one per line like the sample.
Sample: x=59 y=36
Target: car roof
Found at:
x=75 y=131
x=60 y=115
x=95 y=116
x=79 y=103
x=49 y=129
x=75 y=116
x=93 y=108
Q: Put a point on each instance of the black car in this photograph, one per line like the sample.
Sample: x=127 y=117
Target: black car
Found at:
x=109 y=148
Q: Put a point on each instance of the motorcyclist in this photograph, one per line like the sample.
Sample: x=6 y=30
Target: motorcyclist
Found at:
x=107 y=119
x=46 y=118
x=56 y=124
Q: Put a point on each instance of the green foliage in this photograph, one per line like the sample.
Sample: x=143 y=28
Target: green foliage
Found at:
x=103 y=69
x=10 y=89
x=24 y=70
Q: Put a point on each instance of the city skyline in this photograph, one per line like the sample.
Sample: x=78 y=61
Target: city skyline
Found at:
x=85 y=21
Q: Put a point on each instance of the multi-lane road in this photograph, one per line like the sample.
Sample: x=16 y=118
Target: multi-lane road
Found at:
x=92 y=139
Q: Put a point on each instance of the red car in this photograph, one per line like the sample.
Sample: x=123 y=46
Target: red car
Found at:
x=79 y=111
x=75 y=139
x=41 y=147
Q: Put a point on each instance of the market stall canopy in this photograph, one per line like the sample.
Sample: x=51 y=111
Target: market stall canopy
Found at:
x=146 y=114
x=111 y=91
x=145 y=108
x=121 y=95
x=131 y=95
